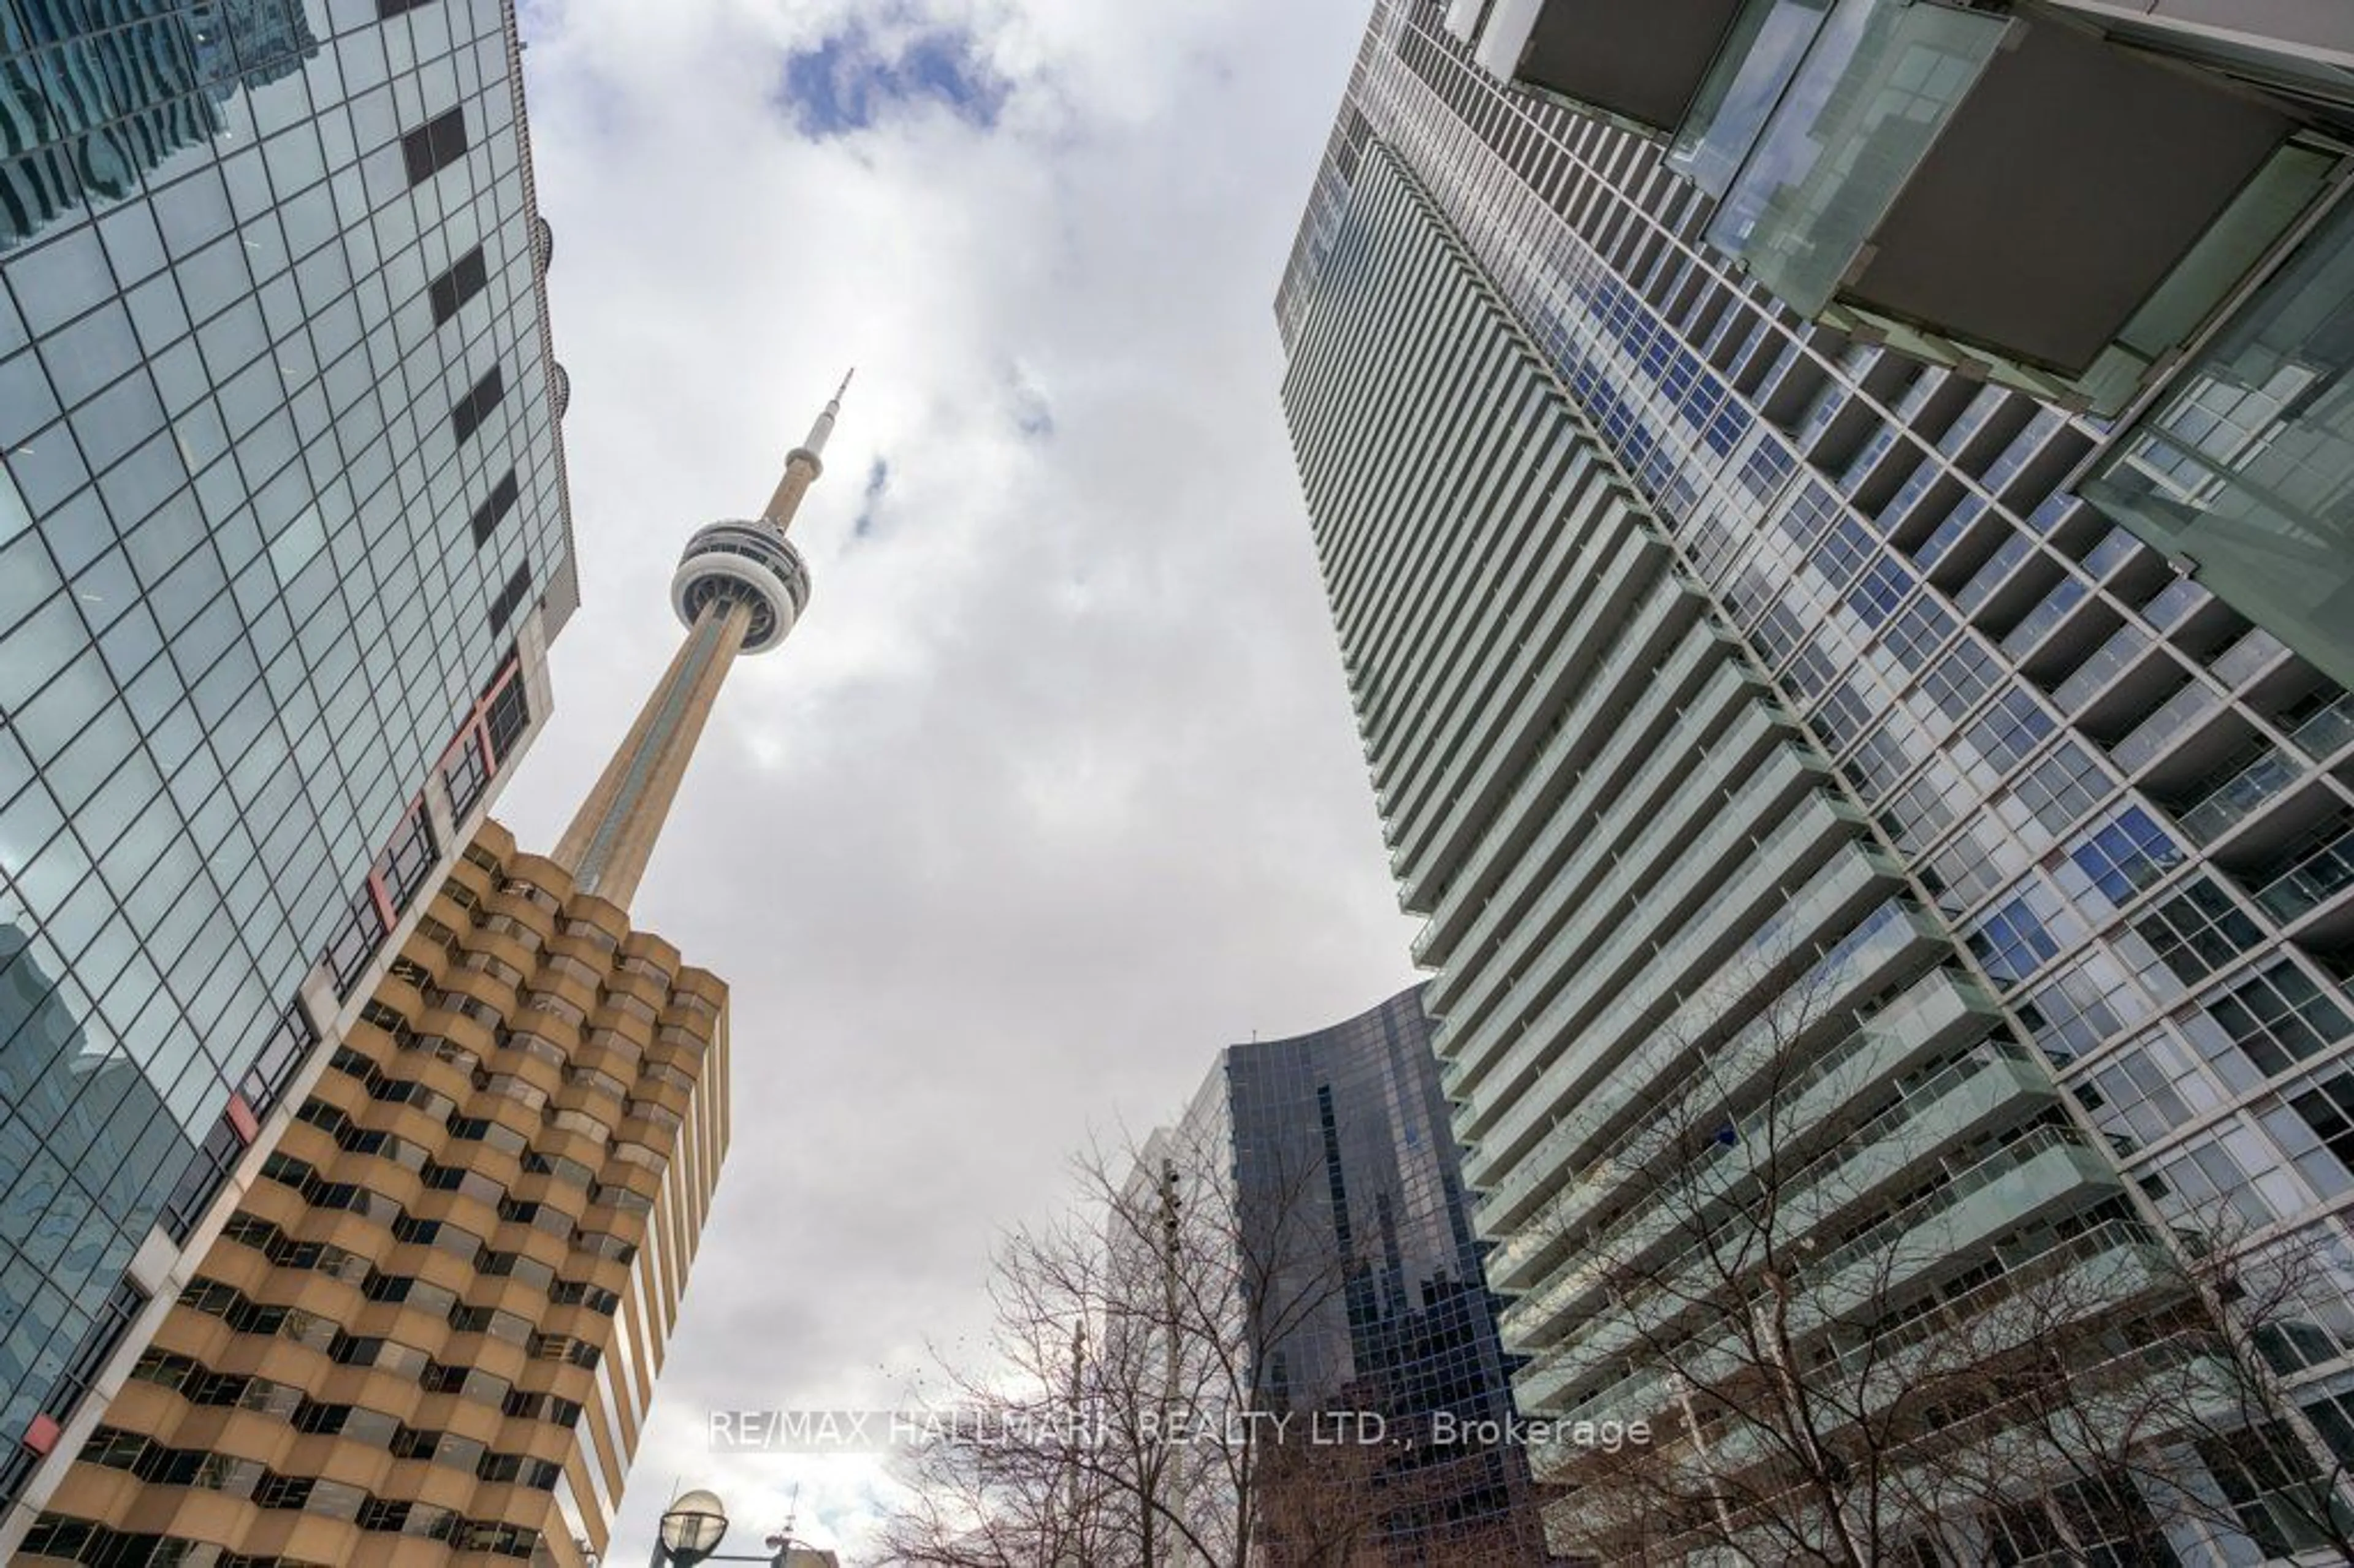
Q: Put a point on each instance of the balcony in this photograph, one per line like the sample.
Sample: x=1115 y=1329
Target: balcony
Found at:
x=2159 y=730
x=1895 y=129
x=1729 y=877
x=1641 y=64
x=2318 y=874
x=1875 y=163
x=2240 y=797
x=1934 y=1015
x=2329 y=731
x=1995 y=1082
x=2242 y=469
x=1649 y=1053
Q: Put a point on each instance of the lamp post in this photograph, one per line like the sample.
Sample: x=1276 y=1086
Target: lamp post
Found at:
x=693 y=1526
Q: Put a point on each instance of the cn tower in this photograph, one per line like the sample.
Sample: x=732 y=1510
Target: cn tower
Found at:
x=739 y=588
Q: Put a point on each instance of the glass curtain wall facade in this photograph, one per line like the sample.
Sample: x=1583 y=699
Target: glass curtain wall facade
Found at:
x=1344 y=1133
x=283 y=537
x=432 y=1320
x=2038 y=780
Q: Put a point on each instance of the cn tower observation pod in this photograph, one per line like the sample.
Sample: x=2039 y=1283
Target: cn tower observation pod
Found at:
x=751 y=562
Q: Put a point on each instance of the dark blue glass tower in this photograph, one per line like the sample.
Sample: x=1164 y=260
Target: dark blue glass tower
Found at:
x=283 y=538
x=1342 y=1136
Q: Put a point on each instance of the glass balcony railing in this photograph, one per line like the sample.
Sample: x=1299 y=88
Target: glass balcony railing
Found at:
x=2154 y=733
x=1924 y=386
x=2173 y=603
x=2318 y=876
x=1646 y=1048
x=1816 y=816
x=2022 y=449
x=2240 y=797
x=2066 y=595
x=1949 y=1196
x=2327 y=732
x=2251 y=656
x=2116 y=547
x=2108 y=1237
x=1934 y=1108
x=2014 y=548
x=1867 y=458
x=1720 y=844
x=1825 y=408
x=1791 y=1108
x=2124 y=645
x=1972 y=419
x=1872 y=93
x=2048 y=515
x=1947 y=533
x=1575 y=803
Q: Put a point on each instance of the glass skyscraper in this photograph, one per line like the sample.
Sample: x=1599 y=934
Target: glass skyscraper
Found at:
x=284 y=539
x=1705 y=655
x=1340 y=1150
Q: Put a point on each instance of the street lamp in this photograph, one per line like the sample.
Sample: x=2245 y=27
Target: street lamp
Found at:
x=691 y=1531
x=693 y=1528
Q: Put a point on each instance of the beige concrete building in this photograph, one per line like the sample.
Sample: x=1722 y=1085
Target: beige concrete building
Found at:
x=431 y=1305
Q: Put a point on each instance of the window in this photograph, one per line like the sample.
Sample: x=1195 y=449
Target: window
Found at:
x=2063 y=786
x=508 y=716
x=2198 y=931
x=434 y=145
x=386 y=10
x=465 y=775
x=2013 y=941
x=354 y=941
x=2278 y=1018
x=274 y=1065
x=209 y=1167
x=466 y=278
x=403 y=867
x=511 y=598
x=476 y=405
x=494 y=508
x=106 y=1331
x=2010 y=729
x=2128 y=855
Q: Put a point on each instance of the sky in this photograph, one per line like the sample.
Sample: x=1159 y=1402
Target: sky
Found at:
x=1054 y=789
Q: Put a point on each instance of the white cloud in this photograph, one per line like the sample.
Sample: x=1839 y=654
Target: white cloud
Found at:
x=1054 y=793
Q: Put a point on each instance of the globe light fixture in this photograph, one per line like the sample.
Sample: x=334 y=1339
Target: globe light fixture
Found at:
x=692 y=1530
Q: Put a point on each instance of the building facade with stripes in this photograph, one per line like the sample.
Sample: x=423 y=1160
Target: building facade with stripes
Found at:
x=1778 y=746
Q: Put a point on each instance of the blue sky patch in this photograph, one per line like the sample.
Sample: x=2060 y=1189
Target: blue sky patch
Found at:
x=853 y=79
x=878 y=476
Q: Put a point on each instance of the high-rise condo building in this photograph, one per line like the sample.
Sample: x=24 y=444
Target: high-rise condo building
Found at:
x=1774 y=742
x=424 y=1324
x=284 y=541
x=2138 y=210
x=1334 y=1152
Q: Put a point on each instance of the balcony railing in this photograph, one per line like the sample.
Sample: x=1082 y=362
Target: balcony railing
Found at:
x=2326 y=732
x=2240 y=797
x=2323 y=872
x=2124 y=645
x=2156 y=732
x=2066 y=595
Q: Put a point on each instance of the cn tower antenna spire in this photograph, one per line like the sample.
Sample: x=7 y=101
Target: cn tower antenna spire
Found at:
x=739 y=588
x=805 y=462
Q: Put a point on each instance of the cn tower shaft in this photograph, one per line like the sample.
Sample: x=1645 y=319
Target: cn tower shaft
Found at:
x=738 y=589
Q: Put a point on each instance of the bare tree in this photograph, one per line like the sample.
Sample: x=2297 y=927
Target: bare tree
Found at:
x=1122 y=1417
x=1156 y=1392
x=2176 y=1397
x=1831 y=1275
